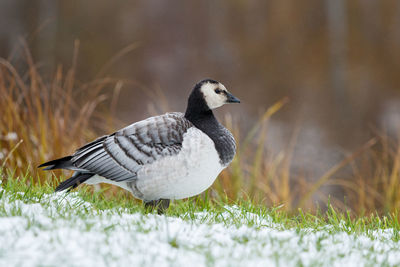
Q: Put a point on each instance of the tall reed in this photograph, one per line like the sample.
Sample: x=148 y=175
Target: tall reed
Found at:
x=43 y=119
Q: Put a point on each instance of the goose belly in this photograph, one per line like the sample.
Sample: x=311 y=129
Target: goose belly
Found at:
x=186 y=174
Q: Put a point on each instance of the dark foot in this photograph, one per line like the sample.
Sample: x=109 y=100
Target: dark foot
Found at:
x=161 y=205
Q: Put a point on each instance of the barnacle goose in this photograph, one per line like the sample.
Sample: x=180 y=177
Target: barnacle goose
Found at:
x=171 y=156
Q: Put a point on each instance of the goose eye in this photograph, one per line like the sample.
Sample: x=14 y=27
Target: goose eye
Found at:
x=218 y=91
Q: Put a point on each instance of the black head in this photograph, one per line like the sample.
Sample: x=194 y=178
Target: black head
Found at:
x=209 y=94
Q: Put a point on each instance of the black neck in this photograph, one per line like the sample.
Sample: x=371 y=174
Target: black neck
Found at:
x=201 y=119
x=197 y=111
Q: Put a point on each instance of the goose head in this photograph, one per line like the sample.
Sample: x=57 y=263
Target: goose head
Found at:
x=209 y=94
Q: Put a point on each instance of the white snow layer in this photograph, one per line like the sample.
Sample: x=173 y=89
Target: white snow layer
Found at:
x=39 y=234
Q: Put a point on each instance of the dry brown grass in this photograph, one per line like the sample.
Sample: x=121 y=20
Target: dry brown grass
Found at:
x=43 y=119
x=375 y=181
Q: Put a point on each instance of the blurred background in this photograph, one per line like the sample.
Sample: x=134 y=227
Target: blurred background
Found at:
x=336 y=61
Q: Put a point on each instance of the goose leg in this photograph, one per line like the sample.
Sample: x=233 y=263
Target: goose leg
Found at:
x=161 y=205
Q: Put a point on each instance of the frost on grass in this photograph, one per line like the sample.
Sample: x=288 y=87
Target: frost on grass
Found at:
x=63 y=230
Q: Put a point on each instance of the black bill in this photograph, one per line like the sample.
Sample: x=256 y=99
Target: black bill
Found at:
x=231 y=98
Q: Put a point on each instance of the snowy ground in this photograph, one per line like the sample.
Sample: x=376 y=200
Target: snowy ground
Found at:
x=60 y=230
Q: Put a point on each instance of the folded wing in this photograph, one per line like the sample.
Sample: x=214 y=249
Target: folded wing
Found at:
x=120 y=156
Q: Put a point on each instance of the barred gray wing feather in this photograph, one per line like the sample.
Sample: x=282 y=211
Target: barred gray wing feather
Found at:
x=120 y=156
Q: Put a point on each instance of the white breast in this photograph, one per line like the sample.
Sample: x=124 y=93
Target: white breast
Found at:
x=186 y=174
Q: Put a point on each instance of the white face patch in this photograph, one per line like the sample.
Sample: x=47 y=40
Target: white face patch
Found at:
x=213 y=99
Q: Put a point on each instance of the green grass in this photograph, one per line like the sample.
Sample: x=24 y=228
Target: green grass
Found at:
x=29 y=192
x=201 y=230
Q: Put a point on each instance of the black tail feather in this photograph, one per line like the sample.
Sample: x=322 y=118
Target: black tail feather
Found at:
x=76 y=179
x=60 y=163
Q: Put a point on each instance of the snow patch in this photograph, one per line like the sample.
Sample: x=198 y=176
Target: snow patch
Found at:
x=52 y=232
